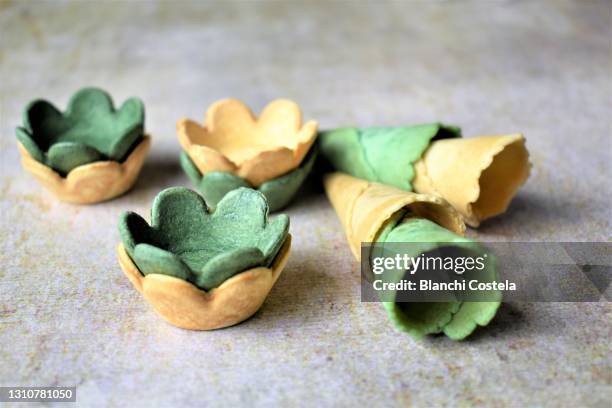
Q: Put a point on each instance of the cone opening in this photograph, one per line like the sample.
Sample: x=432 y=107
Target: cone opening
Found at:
x=499 y=182
x=444 y=133
x=426 y=317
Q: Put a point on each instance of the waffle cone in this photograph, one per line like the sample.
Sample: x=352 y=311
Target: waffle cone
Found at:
x=478 y=176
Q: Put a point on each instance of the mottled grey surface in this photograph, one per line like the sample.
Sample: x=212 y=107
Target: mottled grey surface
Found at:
x=68 y=315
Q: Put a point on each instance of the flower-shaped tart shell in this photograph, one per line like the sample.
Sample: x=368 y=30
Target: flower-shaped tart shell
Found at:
x=185 y=305
x=90 y=129
x=236 y=142
x=89 y=183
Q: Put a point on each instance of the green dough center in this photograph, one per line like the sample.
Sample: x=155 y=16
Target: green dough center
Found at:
x=187 y=241
x=91 y=129
x=90 y=119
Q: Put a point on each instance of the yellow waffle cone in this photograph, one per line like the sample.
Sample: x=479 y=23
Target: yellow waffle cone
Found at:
x=343 y=190
x=478 y=176
x=363 y=208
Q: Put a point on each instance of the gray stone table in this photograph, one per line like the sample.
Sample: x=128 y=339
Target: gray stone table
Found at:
x=68 y=316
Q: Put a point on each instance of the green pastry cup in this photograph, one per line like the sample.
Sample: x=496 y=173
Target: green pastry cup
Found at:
x=201 y=269
x=278 y=192
x=187 y=241
x=90 y=130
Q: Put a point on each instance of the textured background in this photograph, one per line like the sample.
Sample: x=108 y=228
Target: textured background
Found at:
x=68 y=316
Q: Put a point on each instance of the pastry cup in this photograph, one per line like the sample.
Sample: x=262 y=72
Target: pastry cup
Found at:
x=184 y=305
x=363 y=208
x=89 y=183
x=278 y=191
x=204 y=269
x=478 y=176
x=90 y=130
x=256 y=150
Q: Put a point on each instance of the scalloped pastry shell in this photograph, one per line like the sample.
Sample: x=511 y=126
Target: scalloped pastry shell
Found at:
x=184 y=305
x=89 y=183
x=364 y=207
x=235 y=141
